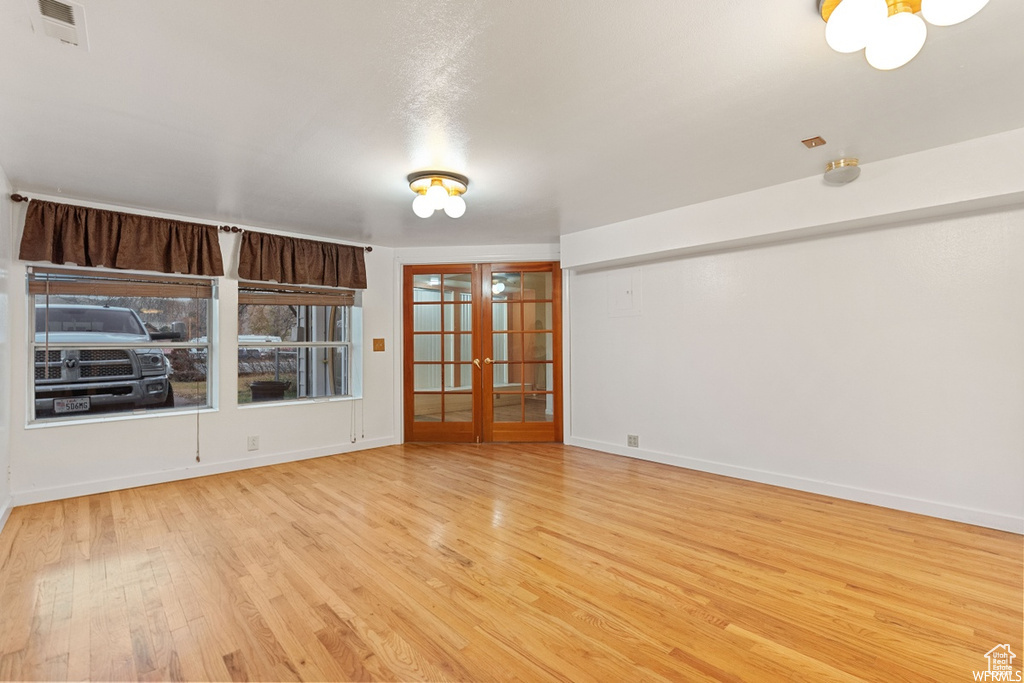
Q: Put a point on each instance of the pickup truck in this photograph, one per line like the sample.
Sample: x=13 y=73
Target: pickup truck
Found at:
x=70 y=380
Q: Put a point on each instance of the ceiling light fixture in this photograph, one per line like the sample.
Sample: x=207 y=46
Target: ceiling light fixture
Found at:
x=891 y=32
x=436 y=190
x=842 y=171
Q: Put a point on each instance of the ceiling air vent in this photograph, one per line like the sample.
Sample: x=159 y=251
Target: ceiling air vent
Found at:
x=64 y=21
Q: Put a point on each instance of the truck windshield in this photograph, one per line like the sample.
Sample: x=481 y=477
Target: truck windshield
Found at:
x=111 y=320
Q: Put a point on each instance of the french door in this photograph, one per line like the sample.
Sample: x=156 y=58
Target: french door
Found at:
x=482 y=352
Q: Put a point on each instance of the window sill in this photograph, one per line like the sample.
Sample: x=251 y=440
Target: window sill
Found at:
x=115 y=417
x=298 y=402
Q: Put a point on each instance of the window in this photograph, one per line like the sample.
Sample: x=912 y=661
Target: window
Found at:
x=106 y=343
x=296 y=342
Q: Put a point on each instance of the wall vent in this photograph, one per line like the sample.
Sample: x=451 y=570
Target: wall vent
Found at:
x=64 y=21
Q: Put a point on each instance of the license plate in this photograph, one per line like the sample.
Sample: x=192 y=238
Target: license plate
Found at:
x=70 y=405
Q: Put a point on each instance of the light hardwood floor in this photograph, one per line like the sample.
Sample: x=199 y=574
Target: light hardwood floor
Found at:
x=526 y=562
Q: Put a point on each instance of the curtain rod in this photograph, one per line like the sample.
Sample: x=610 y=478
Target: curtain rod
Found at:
x=224 y=228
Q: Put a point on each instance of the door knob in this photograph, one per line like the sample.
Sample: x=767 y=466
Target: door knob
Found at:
x=488 y=361
x=476 y=362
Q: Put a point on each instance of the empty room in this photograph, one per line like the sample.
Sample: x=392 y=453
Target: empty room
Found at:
x=568 y=341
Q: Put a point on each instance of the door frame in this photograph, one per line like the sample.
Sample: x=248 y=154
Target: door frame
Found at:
x=547 y=432
x=481 y=428
x=450 y=432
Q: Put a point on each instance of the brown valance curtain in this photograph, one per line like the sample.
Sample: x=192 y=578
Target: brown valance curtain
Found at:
x=63 y=233
x=296 y=261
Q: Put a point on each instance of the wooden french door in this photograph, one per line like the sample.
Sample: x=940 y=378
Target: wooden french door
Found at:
x=482 y=352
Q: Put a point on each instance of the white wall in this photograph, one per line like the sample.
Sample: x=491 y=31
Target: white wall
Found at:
x=975 y=175
x=52 y=462
x=885 y=366
x=490 y=253
x=6 y=242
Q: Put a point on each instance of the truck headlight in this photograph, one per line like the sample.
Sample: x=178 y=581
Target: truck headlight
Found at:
x=152 y=363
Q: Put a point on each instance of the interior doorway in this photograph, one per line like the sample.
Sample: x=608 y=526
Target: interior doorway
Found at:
x=482 y=352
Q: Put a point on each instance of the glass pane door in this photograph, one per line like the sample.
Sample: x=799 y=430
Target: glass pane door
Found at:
x=522 y=401
x=441 y=376
x=481 y=352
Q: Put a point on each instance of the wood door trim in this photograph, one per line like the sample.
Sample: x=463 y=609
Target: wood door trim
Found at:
x=455 y=432
x=529 y=431
x=482 y=427
x=487 y=374
x=478 y=372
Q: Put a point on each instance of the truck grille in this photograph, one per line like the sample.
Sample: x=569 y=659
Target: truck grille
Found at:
x=87 y=355
x=47 y=364
x=106 y=370
x=91 y=364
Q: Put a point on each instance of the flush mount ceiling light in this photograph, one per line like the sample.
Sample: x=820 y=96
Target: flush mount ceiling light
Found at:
x=437 y=190
x=498 y=283
x=842 y=171
x=891 y=32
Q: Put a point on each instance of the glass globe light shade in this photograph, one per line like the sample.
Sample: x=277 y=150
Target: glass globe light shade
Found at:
x=455 y=206
x=897 y=42
x=852 y=24
x=436 y=195
x=949 y=12
x=421 y=206
x=497 y=288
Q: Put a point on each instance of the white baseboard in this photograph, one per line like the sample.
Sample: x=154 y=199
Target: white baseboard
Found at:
x=5 y=511
x=192 y=472
x=956 y=513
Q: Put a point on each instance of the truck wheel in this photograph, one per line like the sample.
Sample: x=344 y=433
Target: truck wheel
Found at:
x=169 y=401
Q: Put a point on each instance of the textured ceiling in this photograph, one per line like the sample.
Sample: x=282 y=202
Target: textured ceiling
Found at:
x=307 y=116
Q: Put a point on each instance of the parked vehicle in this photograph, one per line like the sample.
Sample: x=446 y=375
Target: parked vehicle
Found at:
x=243 y=351
x=73 y=380
x=250 y=352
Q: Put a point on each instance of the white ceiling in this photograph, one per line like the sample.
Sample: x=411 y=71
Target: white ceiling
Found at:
x=307 y=116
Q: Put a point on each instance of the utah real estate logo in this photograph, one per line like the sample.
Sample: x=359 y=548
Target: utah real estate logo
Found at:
x=1000 y=665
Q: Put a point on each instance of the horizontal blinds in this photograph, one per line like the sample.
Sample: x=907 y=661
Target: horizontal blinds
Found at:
x=56 y=281
x=293 y=295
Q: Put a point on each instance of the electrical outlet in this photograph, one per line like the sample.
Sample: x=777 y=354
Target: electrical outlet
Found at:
x=632 y=441
x=253 y=443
